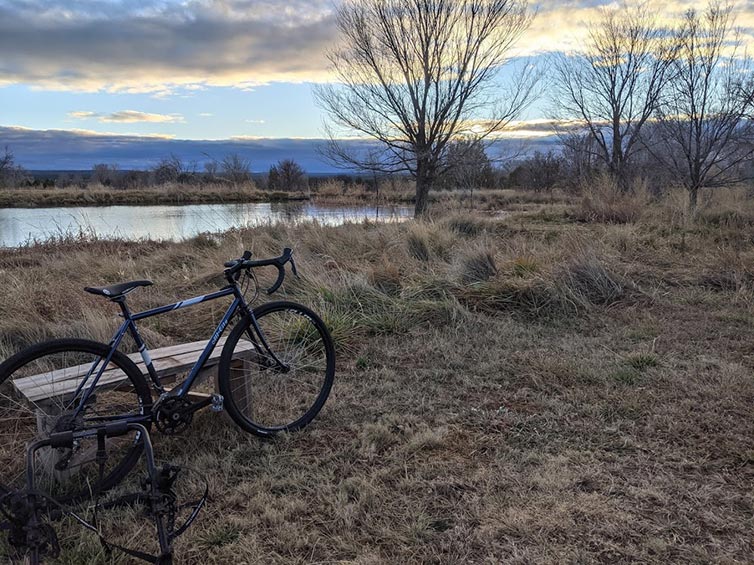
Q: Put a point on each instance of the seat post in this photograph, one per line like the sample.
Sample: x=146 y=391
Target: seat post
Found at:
x=121 y=300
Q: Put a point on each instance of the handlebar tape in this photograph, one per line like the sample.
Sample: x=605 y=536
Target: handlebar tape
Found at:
x=277 y=262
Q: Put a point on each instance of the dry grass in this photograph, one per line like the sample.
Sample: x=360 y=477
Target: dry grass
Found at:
x=390 y=191
x=524 y=390
x=173 y=193
x=603 y=200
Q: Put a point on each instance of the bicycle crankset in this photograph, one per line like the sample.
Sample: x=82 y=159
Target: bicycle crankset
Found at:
x=173 y=415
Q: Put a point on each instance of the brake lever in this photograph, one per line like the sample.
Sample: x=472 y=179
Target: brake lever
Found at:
x=293 y=267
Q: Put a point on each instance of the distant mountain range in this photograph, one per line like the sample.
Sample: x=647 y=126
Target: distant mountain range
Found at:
x=72 y=150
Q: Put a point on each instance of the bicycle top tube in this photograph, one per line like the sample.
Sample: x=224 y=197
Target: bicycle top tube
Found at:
x=232 y=274
x=227 y=291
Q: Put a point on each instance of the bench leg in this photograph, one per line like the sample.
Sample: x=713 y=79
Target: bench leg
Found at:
x=240 y=369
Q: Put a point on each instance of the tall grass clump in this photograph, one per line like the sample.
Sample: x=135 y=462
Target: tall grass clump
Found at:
x=477 y=264
x=585 y=280
x=385 y=276
x=727 y=208
x=355 y=309
x=730 y=271
x=427 y=241
x=529 y=298
x=418 y=244
x=603 y=200
x=466 y=225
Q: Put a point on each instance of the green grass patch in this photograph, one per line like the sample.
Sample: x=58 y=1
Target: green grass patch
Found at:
x=642 y=361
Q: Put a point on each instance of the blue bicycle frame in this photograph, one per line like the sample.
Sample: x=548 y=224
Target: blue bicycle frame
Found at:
x=129 y=326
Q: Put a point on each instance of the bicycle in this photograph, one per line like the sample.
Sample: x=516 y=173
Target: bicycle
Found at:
x=275 y=373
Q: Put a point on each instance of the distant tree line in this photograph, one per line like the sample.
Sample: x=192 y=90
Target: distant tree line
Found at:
x=233 y=170
x=671 y=106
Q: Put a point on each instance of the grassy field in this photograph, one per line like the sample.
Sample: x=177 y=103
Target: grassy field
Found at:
x=543 y=387
x=331 y=191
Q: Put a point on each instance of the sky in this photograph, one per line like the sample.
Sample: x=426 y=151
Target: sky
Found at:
x=130 y=81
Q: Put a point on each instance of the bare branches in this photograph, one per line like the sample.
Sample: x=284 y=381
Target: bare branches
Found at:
x=415 y=74
x=11 y=174
x=614 y=87
x=705 y=130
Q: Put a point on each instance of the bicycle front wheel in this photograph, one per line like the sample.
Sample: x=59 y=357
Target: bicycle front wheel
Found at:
x=38 y=398
x=264 y=396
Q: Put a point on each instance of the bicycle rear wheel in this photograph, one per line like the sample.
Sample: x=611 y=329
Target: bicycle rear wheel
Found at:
x=262 y=397
x=37 y=387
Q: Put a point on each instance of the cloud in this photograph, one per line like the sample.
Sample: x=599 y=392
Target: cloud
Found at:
x=162 y=46
x=128 y=117
x=165 y=47
x=563 y=26
x=81 y=115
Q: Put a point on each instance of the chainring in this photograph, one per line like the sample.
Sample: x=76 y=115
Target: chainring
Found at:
x=173 y=415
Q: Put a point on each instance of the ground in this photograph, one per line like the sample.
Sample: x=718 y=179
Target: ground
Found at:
x=528 y=389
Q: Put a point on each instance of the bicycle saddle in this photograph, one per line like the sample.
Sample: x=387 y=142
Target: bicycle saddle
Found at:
x=116 y=290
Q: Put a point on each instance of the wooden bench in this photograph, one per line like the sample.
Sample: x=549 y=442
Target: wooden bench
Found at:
x=169 y=362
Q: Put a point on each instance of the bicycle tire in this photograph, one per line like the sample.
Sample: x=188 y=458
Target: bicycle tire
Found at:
x=245 y=374
x=68 y=352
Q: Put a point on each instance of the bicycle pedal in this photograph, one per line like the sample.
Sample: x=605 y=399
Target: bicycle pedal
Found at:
x=217 y=403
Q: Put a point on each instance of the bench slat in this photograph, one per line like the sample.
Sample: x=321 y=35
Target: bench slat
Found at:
x=167 y=361
x=157 y=355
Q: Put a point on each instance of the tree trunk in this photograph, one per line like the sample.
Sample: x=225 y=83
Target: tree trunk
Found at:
x=693 y=198
x=423 y=184
x=616 y=158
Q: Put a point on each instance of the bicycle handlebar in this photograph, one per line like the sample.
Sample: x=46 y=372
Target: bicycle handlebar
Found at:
x=233 y=268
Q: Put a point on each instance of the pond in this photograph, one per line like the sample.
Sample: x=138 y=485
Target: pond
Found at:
x=175 y=222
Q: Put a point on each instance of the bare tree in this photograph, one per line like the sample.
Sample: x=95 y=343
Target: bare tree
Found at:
x=467 y=166
x=541 y=172
x=169 y=169
x=414 y=74
x=210 y=169
x=11 y=174
x=235 y=168
x=705 y=131
x=579 y=158
x=614 y=86
x=7 y=161
x=104 y=174
x=287 y=175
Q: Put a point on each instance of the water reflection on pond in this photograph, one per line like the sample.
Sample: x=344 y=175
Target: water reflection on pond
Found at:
x=20 y=225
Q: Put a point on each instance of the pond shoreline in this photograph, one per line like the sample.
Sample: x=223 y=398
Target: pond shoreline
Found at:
x=170 y=222
x=35 y=198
